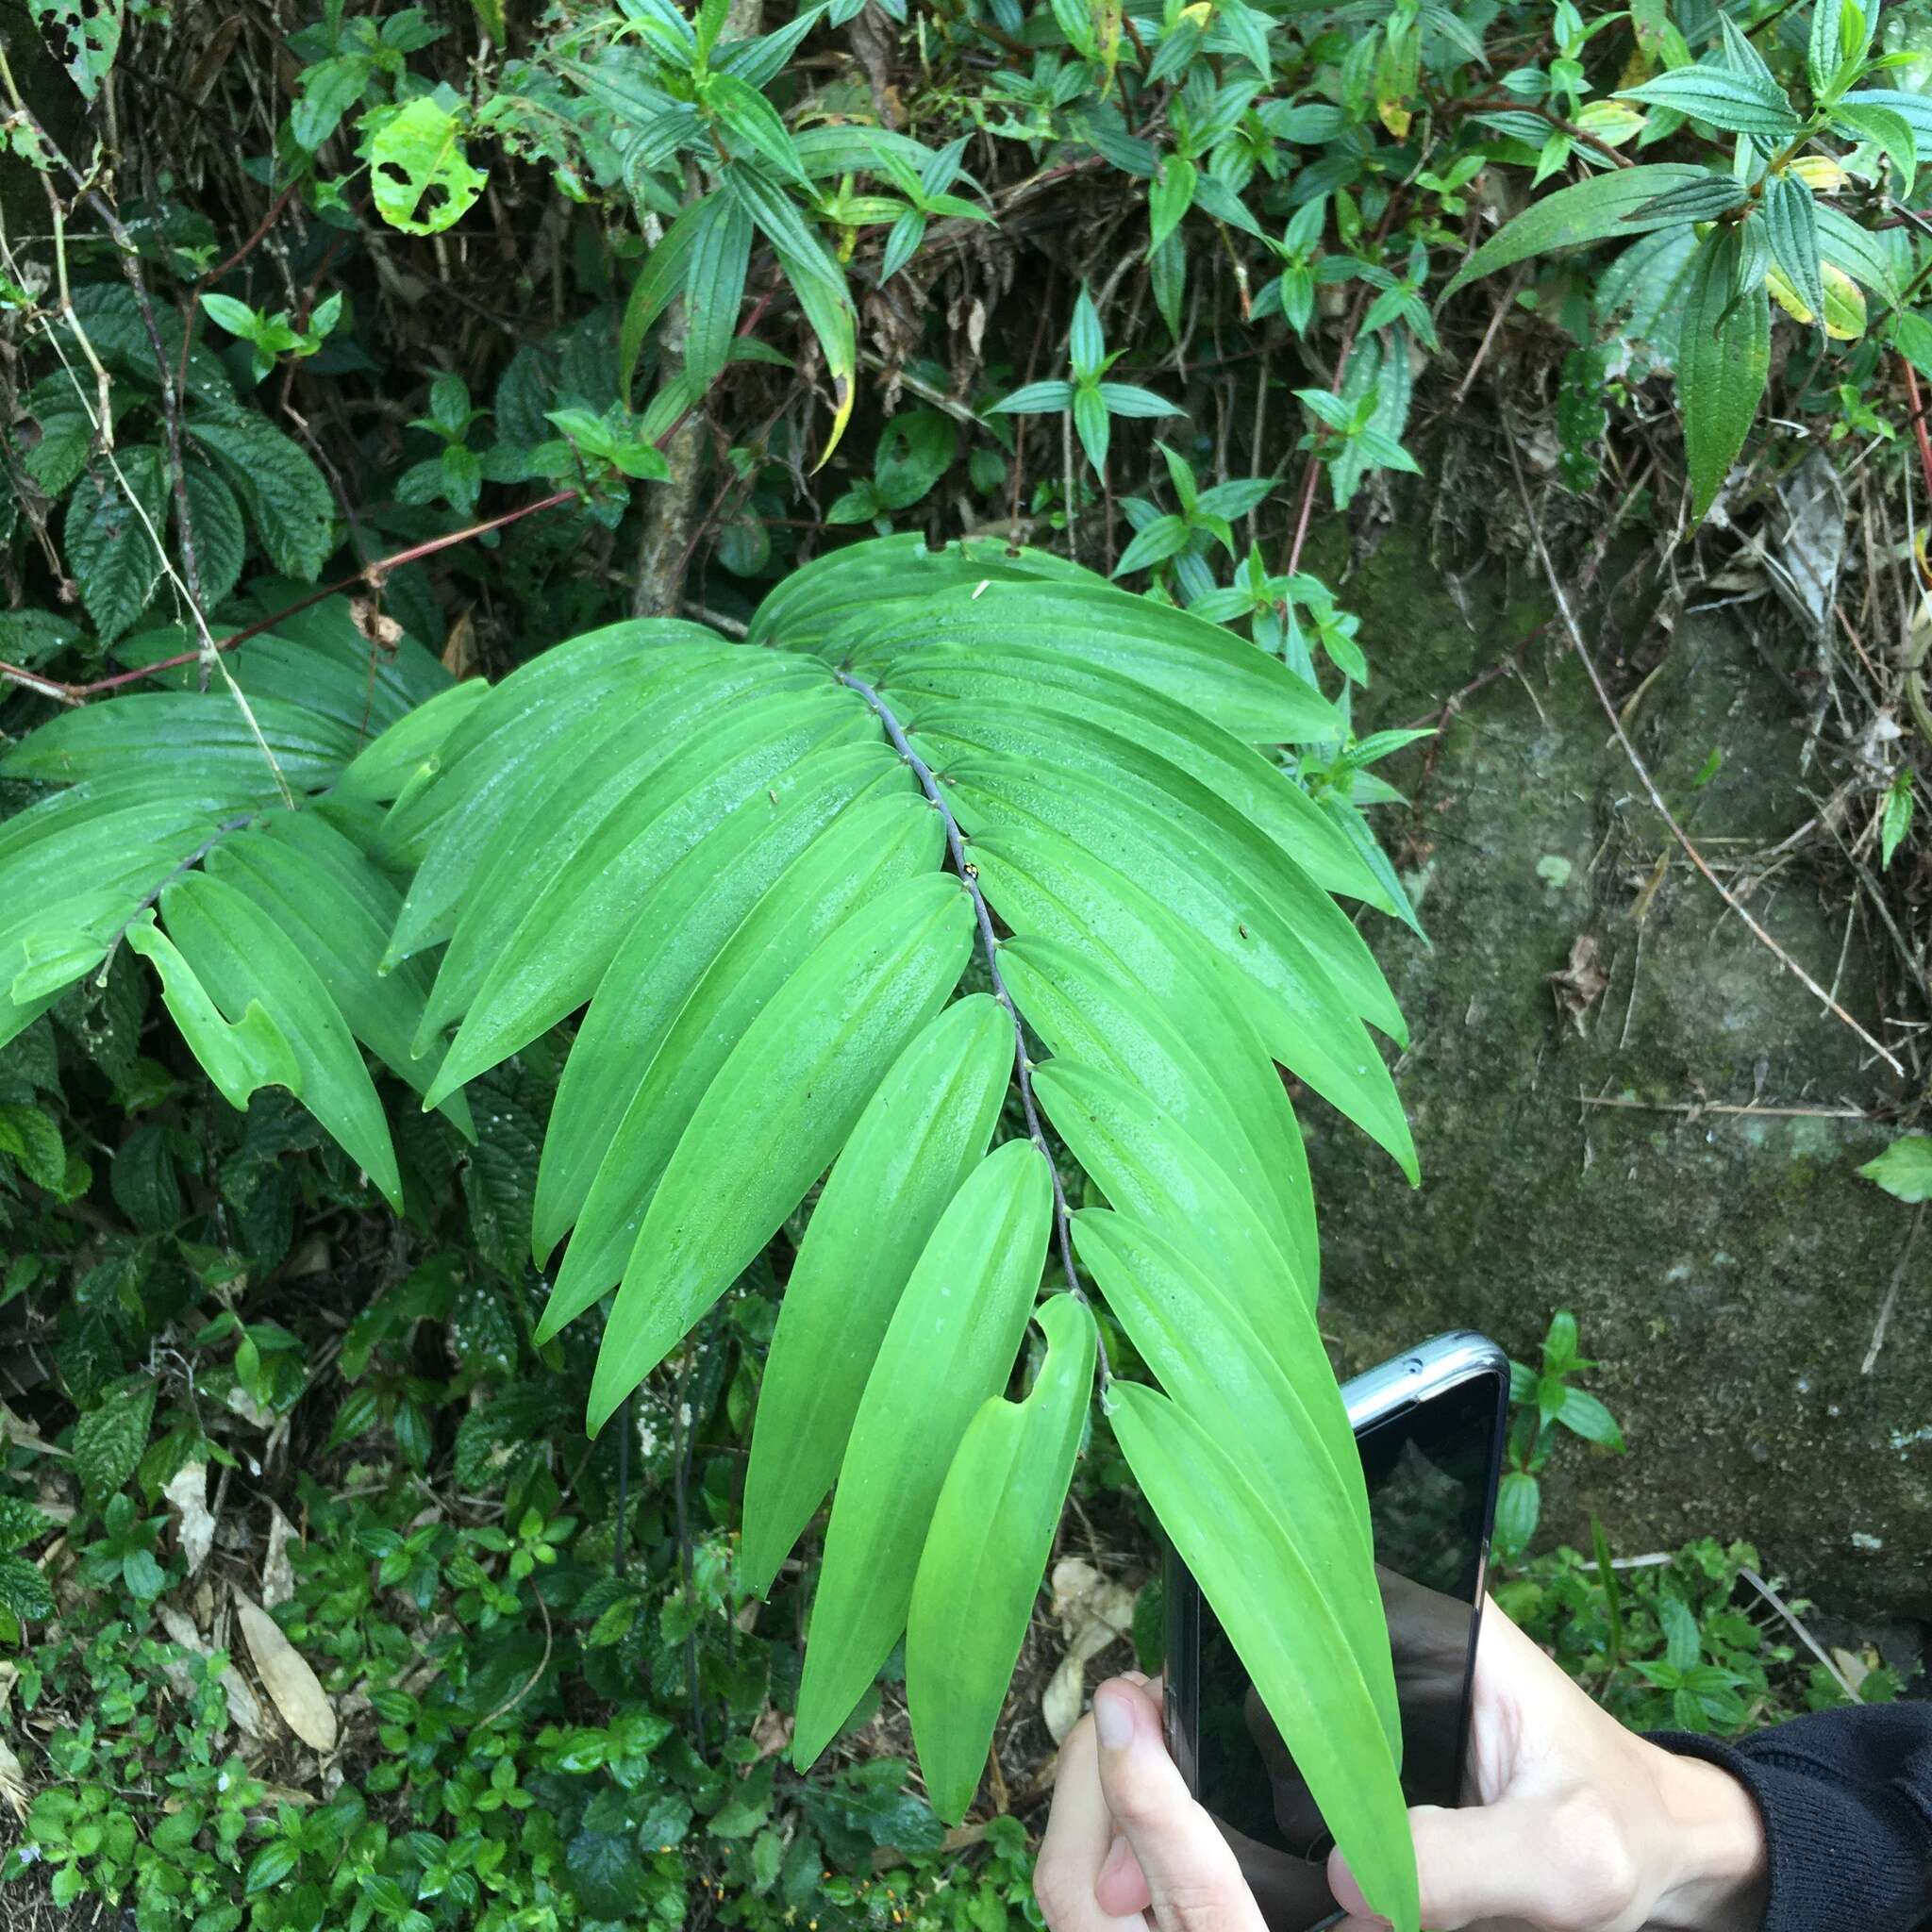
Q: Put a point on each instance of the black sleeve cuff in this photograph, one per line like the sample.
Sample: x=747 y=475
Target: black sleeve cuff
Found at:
x=1844 y=1856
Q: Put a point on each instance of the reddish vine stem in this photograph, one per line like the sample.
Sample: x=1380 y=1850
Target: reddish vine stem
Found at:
x=1023 y=1065
x=370 y=574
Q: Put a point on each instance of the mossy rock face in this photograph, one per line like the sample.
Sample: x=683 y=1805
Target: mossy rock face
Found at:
x=1727 y=1269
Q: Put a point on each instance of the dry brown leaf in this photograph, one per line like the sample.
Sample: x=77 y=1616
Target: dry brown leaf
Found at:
x=1579 y=984
x=1093 y=1611
x=381 y=630
x=459 y=648
x=1853 y=1668
x=1064 y=1695
x=188 y=1493
x=285 y=1674
x=12 y=1780
x=277 y=1570
x=770 y=1731
x=244 y=1707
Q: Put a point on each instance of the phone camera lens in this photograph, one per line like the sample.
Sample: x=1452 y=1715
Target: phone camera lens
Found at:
x=1414 y=1365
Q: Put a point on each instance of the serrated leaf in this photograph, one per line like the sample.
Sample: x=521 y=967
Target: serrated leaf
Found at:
x=108 y=1440
x=32 y=1139
x=1888 y=129
x=714 y=285
x=110 y=536
x=979 y=1566
x=923 y=1131
x=784 y=1102
x=1696 y=201
x=1723 y=359
x=1860 y=254
x=419 y=172
x=284 y=494
x=221 y=544
x=1592 y=210
x=1269 y=1588
x=950 y=1345
x=1739 y=102
x=1792 y=230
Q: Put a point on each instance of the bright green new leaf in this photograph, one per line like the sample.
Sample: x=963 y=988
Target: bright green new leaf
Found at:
x=921 y=1134
x=979 y=1569
x=1889 y=130
x=1904 y=1169
x=244 y=958
x=950 y=1345
x=238 y=1059
x=875 y=850
x=1268 y=1586
x=783 y=1104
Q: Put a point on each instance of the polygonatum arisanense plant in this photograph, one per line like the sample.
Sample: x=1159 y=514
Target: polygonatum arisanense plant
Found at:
x=964 y=862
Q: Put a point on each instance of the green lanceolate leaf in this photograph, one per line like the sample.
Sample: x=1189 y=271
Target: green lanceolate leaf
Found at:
x=1145 y=1165
x=240 y=1059
x=1265 y=1395
x=511 y=748
x=979 y=1569
x=782 y=1105
x=1188 y=660
x=1859 y=252
x=1233 y=769
x=1610 y=204
x=1286 y=995
x=1790 y=228
x=949 y=1347
x=714 y=285
x=921 y=1134
x=1723 y=359
x=665 y=273
x=1269 y=1588
x=1739 y=102
x=1202 y=1065
x=1696 y=201
x=1093 y=776
x=549 y=933
x=328 y=897
x=692 y=916
x=1889 y=130
x=244 y=958
x=405 y=753
x=879 y=846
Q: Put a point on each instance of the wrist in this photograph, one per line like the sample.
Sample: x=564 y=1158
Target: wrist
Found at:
x=1713 y=1857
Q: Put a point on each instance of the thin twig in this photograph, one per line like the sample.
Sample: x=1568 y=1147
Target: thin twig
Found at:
x=1023 y=1065
x=1898 y=1274
x=1696 y=1109
x=1649 y=784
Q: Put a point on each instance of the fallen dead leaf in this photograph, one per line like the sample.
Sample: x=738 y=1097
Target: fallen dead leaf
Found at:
x=1093 y=1611
x=1577 y=986
x=277 y=1570
x=188 y=1493
x=12 y=1780
x=770 y=1731
x=291 y=1686
x=244 y=1707
x=459 y=648
x=381 y=630
x=1853 y=1668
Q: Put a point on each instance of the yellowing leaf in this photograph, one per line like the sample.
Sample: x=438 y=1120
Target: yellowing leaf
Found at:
x=1820 y=173
x=1611 y=122
x=1844 y=302
x=421 y=176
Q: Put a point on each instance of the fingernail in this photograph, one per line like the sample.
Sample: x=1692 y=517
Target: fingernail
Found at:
x=1113 y=1718
x=1135 y=1678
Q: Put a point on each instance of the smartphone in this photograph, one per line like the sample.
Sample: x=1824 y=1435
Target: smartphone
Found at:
x=1430 y=1428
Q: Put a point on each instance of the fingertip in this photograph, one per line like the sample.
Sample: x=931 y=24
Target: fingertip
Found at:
x=1120 y=1889
x=1348 y=1893
x=1117 y=1706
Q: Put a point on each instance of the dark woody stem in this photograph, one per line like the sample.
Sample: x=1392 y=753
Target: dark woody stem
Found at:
x=1023 y=1065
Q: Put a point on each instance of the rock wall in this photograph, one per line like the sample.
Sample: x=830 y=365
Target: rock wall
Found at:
x=1727 y=1268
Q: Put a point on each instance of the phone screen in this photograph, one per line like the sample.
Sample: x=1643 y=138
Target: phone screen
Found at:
x=1430 y=1480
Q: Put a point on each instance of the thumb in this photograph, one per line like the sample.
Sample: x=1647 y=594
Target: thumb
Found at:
x=1193 y=1877
x=1539 y=1858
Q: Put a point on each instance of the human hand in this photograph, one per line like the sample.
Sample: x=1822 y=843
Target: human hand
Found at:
x=1575 y=1826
